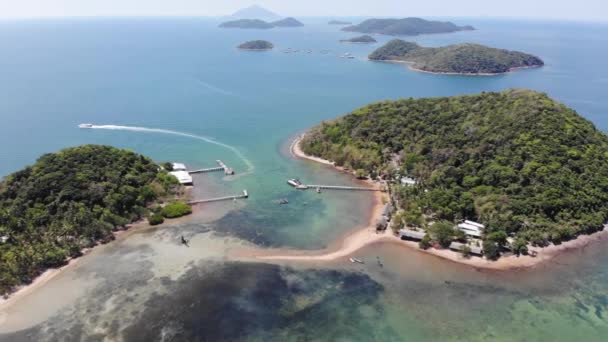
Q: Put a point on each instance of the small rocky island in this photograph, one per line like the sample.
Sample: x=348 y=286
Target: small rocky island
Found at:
x=247 y=24
x=405 y=27
x=339 y=22
x=261 y=24
x=360 y=39
x=287 y=22
x=463 y=59
x=257 y=45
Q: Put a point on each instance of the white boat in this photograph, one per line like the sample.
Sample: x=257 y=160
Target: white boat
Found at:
x=85 y=125
x=355 y=260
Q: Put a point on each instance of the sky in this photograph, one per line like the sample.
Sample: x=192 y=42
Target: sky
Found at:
x=554 y=9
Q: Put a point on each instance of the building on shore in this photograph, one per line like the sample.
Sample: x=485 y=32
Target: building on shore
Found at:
x=182 y=175
x=408 y=234
x=471 y=228
x=457 y=246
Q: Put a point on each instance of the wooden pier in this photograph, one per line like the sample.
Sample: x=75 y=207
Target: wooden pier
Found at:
x=222 y=167
x=301 y=186
x=245 y=194
x=339 y=187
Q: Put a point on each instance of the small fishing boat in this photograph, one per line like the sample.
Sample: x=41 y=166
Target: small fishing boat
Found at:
x=85 y=125
x=297 y=184
x=283 y=201
x=355 y=260
x=318 y=190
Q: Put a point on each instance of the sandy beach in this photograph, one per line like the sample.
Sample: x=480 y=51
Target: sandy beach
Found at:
x=411 y=67
x=359 y=239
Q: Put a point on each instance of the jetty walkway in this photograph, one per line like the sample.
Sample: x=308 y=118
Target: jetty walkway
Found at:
x=222 y=167
x=245 y=194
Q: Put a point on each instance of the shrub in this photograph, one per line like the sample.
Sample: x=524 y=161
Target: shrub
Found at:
x=425 y=243
x=176 y=209
x=155 y=219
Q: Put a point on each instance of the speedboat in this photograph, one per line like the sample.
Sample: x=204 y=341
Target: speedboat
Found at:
x=85 y=125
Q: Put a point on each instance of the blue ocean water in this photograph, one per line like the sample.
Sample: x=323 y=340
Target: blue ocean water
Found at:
x=186 y=75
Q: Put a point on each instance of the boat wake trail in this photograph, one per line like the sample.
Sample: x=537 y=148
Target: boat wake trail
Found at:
x=238 y=153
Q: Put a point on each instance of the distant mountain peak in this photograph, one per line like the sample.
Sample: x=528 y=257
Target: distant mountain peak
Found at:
x=255 y=12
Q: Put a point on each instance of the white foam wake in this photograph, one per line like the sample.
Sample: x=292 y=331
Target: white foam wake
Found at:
x=247 y=162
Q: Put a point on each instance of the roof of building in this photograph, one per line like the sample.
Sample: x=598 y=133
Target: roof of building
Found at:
x=182 y=176
x=457 y=246
x=179 y=167
x=475 y=224
x=470 y=229
x=408 y=181
x=412 y=234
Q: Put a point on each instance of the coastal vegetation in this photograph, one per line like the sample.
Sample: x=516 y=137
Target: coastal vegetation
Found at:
x=256 y=45
x=260 y=24
x=360 y=39
x=405 y=27
x=71 y=200
x=458 y=58
x=527 y=167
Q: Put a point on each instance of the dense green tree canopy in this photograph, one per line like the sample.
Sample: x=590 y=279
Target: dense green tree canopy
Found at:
x=516 y=161
x=458 y=58
x=70 y=200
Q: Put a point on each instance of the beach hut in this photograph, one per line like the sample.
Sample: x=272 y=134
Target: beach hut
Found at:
x=408 y=234
x=457 y=246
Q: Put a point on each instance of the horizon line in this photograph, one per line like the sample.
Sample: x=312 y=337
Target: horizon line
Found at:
x=177 y=16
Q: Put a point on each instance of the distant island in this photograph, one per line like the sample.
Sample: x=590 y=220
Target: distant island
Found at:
x=360 y=39
x=521 y=169
x=339 y=22
x=465 y=59
x=247 y=24
x=287 y=22
x=405 y=27
x=260 y=24
x=255 y=12
x=256 y=45
x=74 y=199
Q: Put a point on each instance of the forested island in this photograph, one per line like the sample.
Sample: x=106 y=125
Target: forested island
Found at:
x=527 y=167
x=74 y=199
x=256 y=45
x=455 y=59
x=406 y=27
x=360 y=39
x=339 y=22
x=261 y=24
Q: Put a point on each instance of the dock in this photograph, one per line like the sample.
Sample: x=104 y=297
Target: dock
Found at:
x=340 y=187
x=301 y=186
x=245 y=194
x=222 y=167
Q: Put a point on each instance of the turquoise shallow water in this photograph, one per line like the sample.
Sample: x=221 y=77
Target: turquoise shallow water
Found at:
x=185 y=75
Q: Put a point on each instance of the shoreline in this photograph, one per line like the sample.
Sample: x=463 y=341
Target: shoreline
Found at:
x=367 y=236
x=411 y=67
x=46 y=276
x=23 y=290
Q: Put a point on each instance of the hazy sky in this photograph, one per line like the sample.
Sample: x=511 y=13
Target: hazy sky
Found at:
x=563 y=9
